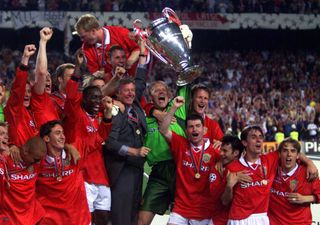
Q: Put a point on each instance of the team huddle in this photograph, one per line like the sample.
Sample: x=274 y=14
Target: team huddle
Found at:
x=74 y=145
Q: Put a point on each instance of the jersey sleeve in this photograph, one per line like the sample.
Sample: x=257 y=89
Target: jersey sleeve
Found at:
x=178 y=143
x=15 y=101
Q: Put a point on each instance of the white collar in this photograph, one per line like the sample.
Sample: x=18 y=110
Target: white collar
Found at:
x=291 y=172
x=106 y=38
x=206 y=145
x=50 y=159
x=244 y=162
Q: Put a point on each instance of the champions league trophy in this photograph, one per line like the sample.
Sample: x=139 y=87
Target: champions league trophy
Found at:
x=170 y=42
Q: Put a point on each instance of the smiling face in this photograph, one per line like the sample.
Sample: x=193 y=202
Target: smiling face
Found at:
x=200 y=101
x=118 y=58
x=195 y=131
x=127 y=93
x=253 y=142
x=91 y=101
x=159 y=95
x=56 y=138
x=288 y=156
x=227 y=154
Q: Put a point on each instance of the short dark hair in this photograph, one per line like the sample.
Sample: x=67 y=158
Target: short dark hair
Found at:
x=194 y=117
x=125 y=81
x=46 y=128
x=114 y=48
x=198 y=87
x=88 y=89
x=289 y=140
x=234 y=141
x=247 y=129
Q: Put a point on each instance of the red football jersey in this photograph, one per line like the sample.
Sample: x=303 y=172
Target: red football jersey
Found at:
x=43 y=108
x=59 y=198
x=281 y=211
x=19 y=198
x=212 y=130
x=59 y=101
x=192 y=196
x=22 y=125
x=252 y=198
x=79 y=124
x=217 y=186
x=113 y=35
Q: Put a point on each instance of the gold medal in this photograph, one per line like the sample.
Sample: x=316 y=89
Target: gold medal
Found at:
x=59 y=178
x=197 y=175
x=206 y=157
x=264 y=182
x=138 y=132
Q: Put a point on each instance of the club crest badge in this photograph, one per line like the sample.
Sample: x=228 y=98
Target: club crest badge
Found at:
x=206 y=157
x=293 y=185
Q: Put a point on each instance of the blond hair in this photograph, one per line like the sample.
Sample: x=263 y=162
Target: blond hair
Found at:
x=87 y=22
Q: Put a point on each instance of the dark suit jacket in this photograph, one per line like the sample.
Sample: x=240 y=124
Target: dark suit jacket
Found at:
x=123 y=132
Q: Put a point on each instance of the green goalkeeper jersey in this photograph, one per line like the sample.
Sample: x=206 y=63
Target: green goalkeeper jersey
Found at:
x=156 y=141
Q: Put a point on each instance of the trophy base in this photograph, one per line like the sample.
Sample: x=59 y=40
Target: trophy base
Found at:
x=189 y=75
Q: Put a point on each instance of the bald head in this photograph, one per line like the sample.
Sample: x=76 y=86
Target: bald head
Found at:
x=33 y=150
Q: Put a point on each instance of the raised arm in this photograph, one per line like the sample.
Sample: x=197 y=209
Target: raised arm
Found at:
x=15 y=101
x=164 y=127
x=42 y=61
x=110 y=88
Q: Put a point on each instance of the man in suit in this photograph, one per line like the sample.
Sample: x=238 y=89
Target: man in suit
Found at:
x=124 y=150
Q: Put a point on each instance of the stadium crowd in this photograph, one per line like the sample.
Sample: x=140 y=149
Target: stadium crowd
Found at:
x=73 y=144
x=209 y=6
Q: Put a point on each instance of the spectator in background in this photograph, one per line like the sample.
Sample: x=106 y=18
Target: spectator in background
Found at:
x=2 y=101
x=312 y=131
x=7 y=65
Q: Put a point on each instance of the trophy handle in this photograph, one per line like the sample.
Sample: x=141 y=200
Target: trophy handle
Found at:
x=138 y=29
x=171 y=15
x=156 y=53
x=140 y=33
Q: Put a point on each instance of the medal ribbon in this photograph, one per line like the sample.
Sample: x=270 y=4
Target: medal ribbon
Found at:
x=197 y=166
x=103 y=49
x=262 y=168
x=58 y=165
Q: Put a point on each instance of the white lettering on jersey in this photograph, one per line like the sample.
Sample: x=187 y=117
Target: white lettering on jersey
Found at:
x=22 y=177
x=190 y=165
x=279 y=193
x=91 y=129
x=212 y=177
x=1 y=171
x=32 y=124
x=251 y=184
x=64 y=173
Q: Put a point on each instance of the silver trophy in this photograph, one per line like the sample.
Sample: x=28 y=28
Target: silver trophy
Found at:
x=164 y=40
